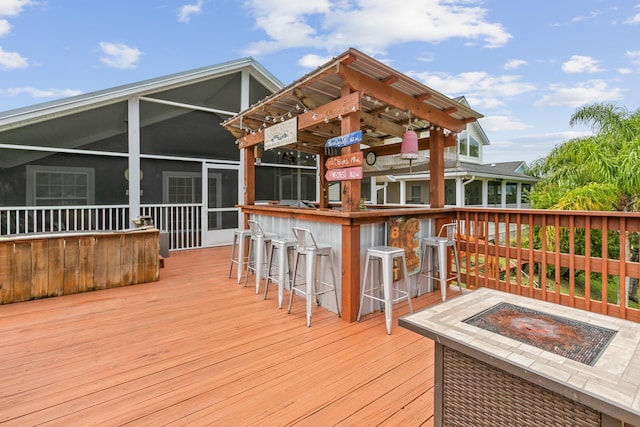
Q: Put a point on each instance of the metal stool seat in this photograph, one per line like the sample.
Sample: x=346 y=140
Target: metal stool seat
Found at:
x=310 y=287
x=438 y=246
x=237 y=251
x=385 y=255
x=259 y=245
x=280 y=273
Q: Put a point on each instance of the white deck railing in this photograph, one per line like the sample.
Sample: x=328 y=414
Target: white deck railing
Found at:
x=182 y=222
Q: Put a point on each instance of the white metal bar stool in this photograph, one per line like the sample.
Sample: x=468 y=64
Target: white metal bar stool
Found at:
x=258 y=250
x=438 y=246
x=385 y=255
x=313 y=253
x=280 y=272
x=237 y=251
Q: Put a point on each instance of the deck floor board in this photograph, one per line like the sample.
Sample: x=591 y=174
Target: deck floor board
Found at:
x=195 y=348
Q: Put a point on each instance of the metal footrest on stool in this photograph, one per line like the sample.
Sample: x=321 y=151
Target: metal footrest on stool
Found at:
x=281 y=272
x=387 y=293
x=312 y=284
x=237 y=251
x=437 y=247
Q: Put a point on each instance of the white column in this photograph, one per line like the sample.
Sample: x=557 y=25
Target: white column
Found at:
x=403 y=192
x=134 y=171
x=459 y=192
x=503 y=194
x=485 y=193
x=373 y=193
x=519 y=195
x=244 y=104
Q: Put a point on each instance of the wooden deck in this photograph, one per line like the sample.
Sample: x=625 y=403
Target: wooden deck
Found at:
x=197 y=349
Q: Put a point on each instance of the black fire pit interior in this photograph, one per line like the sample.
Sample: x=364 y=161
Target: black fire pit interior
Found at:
x=572 y=339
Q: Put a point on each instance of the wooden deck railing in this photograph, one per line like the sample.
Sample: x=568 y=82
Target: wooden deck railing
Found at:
x=587 y=260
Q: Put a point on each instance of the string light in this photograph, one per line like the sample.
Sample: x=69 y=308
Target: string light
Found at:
x=274 y=119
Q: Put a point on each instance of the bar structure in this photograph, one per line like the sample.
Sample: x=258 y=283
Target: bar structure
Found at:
x=362 y=106
x=524 y=369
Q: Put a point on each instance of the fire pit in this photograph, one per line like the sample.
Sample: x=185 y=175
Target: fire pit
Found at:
x=503 y=359
x=572 y=339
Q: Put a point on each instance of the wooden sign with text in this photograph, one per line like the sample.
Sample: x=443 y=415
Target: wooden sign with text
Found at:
x=344 y=140
x=345 y=161
x=344 y=174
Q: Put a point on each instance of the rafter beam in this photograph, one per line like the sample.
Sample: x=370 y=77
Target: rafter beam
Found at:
x=381 y=125
x=423 y=144
x=331 y=110
x=379 y=90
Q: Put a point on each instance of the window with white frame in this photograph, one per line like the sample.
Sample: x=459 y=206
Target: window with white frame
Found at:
x=468 y=146
x=60 y=186
x=181 y=187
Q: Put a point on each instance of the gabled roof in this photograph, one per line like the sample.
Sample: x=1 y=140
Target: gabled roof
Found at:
x=386 y=98
x=52 y=109
x=493 y=170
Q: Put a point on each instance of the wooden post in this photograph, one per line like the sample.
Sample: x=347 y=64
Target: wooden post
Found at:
x=249 y=180
x=350 y=272
x=436 y=168
x=350 y=188
x=350 y=233
x=323 y=197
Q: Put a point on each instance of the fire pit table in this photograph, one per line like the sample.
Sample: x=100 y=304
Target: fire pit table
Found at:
x=507 y=360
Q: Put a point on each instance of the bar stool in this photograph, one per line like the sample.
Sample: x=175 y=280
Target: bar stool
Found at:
x=238 y=258
x=313 y=253
x=259 y=245
x=438 y=246
x=281 y=251
x=385 y=255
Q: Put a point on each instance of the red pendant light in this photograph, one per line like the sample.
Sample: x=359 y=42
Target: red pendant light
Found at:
x=409 y=146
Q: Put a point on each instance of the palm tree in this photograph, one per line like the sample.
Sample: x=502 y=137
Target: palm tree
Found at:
x=599 y=172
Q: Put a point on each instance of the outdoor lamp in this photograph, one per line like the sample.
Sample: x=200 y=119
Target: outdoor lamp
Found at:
x=409 y=146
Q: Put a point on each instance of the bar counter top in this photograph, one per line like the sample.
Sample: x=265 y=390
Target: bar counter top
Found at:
x=368 y=215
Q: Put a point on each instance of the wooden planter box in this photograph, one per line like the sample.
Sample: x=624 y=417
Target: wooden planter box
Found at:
x=46 y=265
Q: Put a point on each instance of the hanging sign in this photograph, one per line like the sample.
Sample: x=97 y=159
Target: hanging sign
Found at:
x=345 y=161
x=344 y=140
x=344 y=174
x=280 y=134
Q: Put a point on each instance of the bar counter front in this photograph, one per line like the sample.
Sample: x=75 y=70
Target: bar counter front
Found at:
x=349 y=234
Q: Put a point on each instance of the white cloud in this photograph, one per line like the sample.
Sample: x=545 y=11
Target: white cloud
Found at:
x=580 y=94
x=370 y=25
x=12 y=60
x=5 y=27
x=634 y=56
x=581 y=64
x=13 y=7
x=119 y=55
x=528 y=147
x=512 y=64
x=185 y=11
x=481 y=89
x=313 y=61
x=43 y=93
x=635 y=19
x=501 y=123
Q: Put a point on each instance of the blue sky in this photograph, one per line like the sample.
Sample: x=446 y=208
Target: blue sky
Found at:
x=525 y=64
